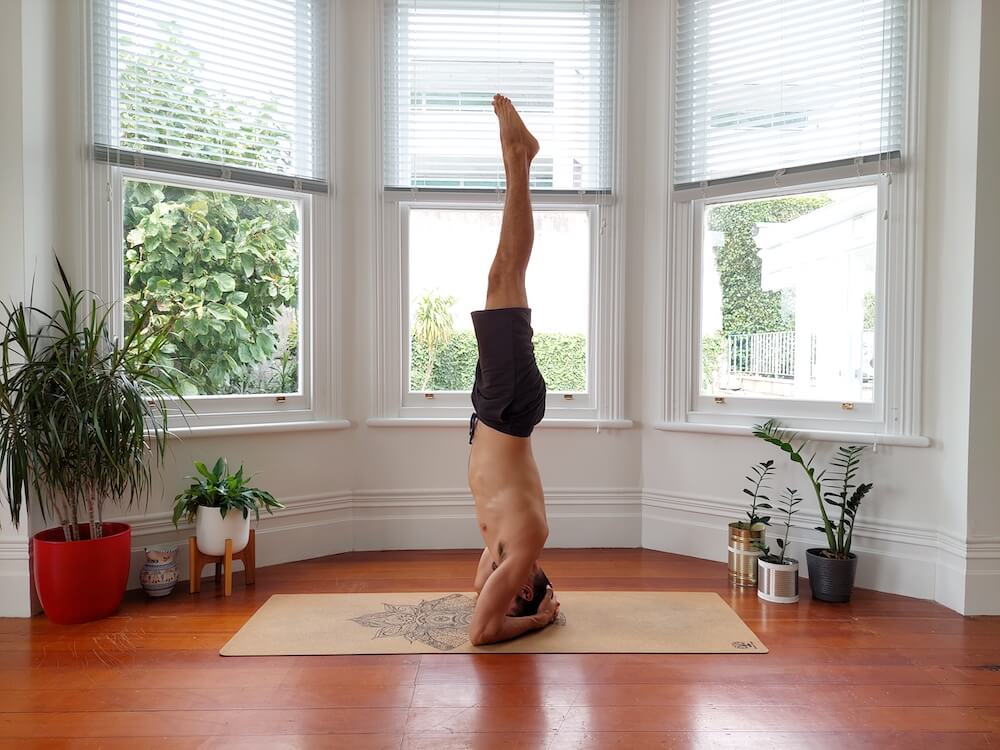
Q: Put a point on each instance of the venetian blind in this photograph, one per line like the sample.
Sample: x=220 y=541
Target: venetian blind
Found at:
x=225 y=88
x=767 y=85
x=445 y=59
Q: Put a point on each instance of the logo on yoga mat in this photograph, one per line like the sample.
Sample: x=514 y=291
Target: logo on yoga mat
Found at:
x=440 y=623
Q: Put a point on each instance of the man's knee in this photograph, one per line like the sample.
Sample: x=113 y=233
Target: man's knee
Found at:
x=504 y=276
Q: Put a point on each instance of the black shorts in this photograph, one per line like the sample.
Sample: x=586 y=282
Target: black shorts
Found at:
x=509 y=392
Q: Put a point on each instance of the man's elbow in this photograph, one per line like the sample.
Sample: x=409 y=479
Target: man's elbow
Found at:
x=482 y=635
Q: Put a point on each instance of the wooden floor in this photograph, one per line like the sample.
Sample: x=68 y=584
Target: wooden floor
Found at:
x=881 y=672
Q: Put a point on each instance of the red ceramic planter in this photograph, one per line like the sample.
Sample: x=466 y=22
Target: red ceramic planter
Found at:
x=85 y=580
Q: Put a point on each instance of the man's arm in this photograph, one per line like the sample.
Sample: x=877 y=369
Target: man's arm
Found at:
x=483 y=572
x=490 y=622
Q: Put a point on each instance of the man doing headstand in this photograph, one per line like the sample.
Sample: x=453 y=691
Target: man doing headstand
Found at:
x=509 y=400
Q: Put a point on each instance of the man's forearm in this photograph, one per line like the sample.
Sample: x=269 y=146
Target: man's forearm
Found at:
x=510 y=627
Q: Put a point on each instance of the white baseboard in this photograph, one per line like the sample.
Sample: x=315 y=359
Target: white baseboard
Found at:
x=913 y=561
x=16 y=596
x=446 y=519
x=309 y=526
x=893 y=558
x=950 y=575
x=316 y=526
x=982 y=583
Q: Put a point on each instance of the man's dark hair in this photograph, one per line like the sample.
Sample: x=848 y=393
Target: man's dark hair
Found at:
x=539 y=588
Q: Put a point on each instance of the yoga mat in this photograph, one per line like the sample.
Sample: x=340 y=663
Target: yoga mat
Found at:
x=643 y=622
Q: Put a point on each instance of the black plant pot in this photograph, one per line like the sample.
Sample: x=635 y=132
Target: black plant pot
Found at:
x=831 y=580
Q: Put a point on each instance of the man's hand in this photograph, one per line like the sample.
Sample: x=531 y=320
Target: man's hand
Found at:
x=548 y=610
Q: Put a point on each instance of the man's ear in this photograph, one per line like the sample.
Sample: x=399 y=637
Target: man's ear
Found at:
x=527 y=593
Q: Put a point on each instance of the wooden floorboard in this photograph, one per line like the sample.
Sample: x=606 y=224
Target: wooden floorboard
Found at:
x=880 y=672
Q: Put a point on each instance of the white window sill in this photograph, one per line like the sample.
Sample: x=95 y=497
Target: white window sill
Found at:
x=603 y=424
x=184 y=431
x=835 y=436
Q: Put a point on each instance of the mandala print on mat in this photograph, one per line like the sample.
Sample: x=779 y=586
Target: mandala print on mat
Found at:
x=440 y=623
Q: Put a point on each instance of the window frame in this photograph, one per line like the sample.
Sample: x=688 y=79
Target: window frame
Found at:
x=320 y=403
x=309 y=404
x=457 y=403
x=894 y=414
x=390 y=404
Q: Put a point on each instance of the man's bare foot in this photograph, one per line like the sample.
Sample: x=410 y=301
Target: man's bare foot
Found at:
x=516 y=142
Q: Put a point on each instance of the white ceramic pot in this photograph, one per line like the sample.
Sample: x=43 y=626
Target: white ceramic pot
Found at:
x=778 y=583
x=212 y=530
x=159 y=575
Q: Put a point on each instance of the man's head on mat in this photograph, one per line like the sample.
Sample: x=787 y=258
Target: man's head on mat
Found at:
x=529 y=598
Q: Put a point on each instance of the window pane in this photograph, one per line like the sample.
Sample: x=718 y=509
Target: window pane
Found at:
x=226 y=266
x=231 y=82
x=450 y=252
x=443 y=60
x=788 y=296
x=762 y=85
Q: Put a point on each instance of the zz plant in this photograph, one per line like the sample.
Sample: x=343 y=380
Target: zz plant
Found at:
x=788 y=508
x=758 y=500
x=218 y=488
x=81 y=412
x=836 y=487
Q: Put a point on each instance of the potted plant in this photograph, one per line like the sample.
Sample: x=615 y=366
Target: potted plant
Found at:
x=219 y=504
x=831 y=569
x=80 y=415
x=777 y=574
x=746 y=536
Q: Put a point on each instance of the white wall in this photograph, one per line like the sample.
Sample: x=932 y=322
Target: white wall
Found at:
x=982 y=590
x=15 y=597
x=29 y=213
x=371 y=488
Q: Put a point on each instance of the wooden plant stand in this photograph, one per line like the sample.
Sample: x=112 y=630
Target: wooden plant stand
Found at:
x=223 y=563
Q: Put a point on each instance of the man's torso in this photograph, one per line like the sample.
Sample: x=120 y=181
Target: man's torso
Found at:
x=507 y=489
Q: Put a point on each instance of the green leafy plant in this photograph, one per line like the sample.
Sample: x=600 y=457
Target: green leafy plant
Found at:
x=758 y=500
x=746 y=306
x=788 y=507
x=81 y=413
x=224 y=266
x=836 y=488
x=433 y=327
x=218 y=488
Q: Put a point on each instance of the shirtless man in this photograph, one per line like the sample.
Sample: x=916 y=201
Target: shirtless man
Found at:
x=509 y=400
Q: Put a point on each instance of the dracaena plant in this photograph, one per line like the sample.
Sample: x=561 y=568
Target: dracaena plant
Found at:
x=82 y=414
x=836 y=487
x=758 y=500
x=219 y=488
x=788 y=508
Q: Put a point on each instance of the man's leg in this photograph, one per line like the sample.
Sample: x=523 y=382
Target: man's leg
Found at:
x=517 y=232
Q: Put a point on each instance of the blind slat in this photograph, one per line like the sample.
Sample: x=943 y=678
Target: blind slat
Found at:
x=443 y=60
x=764 y=85
x=233 y=83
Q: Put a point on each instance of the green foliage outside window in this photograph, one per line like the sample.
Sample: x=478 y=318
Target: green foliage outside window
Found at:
x=746 y=308
x=226 y=265
x=562 y=358
x=869 y=316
